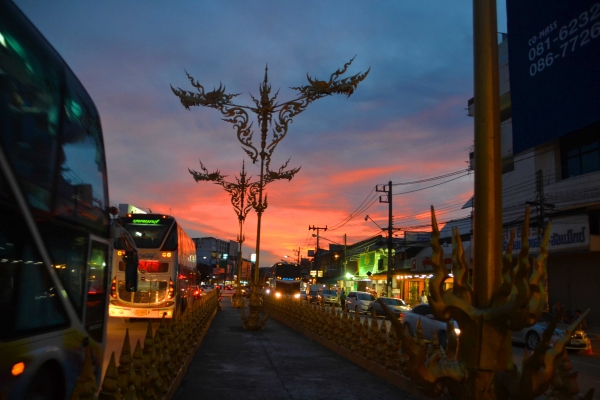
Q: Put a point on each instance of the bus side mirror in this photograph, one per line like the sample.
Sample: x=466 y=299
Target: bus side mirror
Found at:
x=131 y=271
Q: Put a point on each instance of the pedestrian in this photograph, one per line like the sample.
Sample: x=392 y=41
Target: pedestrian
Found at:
x=583 y=324
x=343 y=299
x=423 y=298
x=556 y=308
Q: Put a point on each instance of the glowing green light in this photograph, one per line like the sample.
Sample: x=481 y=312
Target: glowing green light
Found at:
x=146 y=221
x=2 y=41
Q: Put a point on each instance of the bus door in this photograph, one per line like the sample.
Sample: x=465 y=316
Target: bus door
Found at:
x=97 y=283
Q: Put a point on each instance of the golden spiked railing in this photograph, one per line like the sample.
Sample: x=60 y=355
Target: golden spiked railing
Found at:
x=153 y=370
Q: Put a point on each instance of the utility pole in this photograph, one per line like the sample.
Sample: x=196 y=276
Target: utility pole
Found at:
x=297 y=253
x=345 y=259
x=314 y=228
x=540 y=205
x=388 y=190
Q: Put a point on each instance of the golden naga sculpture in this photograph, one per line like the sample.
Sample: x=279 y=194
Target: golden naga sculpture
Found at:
x=484 y=368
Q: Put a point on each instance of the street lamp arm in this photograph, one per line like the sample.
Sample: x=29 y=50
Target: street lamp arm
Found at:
x=367 y=218
x=318 y=89
x=281 y=173
x=215 y=176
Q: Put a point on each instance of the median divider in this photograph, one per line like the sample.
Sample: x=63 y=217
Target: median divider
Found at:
x=154 y=370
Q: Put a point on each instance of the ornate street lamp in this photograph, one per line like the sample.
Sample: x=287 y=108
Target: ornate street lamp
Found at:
x=239 y=193
x=269 y=113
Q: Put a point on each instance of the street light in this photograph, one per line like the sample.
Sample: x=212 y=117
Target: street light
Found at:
x=264 y=108
x=369 y=218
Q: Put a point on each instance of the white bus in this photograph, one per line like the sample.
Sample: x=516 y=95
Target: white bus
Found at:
x=167 y=271
x=55 y=227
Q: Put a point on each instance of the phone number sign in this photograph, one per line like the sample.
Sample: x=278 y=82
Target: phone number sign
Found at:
x=554 y=65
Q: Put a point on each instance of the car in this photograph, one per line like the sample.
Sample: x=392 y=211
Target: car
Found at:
x=227 y=291
x=328 y=296
x=207 y=288
x=359 y=301
x=429 y=323
x=397 y=306
x=532 y=335
x=311 y=296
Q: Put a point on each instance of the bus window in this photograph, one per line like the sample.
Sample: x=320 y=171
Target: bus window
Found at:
x=29 y=302
x=96 y=290
x=81 y=187
x=30 y=103
x=68 y=250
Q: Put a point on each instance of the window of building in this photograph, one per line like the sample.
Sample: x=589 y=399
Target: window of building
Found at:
x=580 y=152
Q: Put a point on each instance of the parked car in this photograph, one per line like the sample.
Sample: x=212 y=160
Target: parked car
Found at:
x=328 y=296
x=359 y=301
x=396 y=306
x=429 y=323
x=532 y=335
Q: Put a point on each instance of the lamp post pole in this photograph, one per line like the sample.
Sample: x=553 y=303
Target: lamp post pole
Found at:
x=278 y=116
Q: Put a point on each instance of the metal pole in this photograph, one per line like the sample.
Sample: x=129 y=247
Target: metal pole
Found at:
x=390 y=261
x=487 y=250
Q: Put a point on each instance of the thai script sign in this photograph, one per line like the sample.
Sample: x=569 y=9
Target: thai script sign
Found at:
x=566 y=233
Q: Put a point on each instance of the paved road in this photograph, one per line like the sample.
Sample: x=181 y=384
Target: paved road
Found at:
x=276 y=364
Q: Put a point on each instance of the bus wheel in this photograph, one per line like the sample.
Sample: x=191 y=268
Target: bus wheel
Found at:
x=47 y=384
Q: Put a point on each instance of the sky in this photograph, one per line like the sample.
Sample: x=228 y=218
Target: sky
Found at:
x=406 y=122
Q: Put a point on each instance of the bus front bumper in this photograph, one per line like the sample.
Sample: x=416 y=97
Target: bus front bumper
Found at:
x=126 y=312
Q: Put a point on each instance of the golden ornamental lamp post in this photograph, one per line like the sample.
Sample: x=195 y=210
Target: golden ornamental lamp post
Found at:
x=269 y=114
x=238 y=193
x=506 y=295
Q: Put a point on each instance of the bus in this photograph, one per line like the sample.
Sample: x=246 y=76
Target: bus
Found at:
x=55 y=225
x=167 y=269
x=285 y=280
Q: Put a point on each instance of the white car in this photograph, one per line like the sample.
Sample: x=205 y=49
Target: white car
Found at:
x=532 y=335
x=429 y=323
x=359 y=301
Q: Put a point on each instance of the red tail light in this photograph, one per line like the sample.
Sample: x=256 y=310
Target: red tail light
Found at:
x=113 y=288
x=401 y=316
x=171 y=289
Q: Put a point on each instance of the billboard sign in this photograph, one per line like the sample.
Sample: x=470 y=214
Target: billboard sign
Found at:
x=554 y=58
x=569 y=233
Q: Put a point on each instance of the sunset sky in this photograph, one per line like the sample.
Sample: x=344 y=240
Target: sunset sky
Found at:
x=406 y=122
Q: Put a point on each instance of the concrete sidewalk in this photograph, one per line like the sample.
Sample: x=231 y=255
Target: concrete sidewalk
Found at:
x=277 y=363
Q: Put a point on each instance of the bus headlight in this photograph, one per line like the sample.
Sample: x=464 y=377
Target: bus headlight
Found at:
x=278 y=295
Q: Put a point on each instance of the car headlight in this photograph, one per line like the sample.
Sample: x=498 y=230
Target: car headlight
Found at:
x=268 y=291
x=277 y=294
x=297 y=296
x=457 y=331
